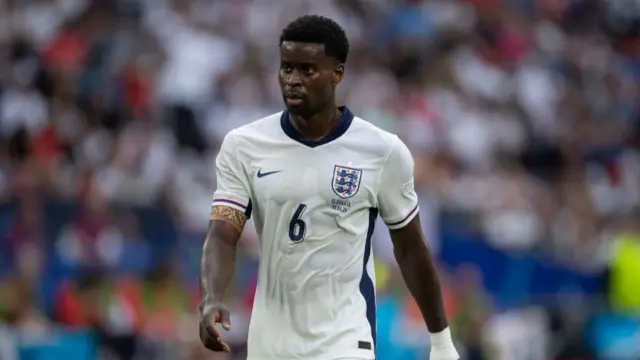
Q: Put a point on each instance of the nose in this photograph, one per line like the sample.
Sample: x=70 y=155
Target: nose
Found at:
x=294 y=78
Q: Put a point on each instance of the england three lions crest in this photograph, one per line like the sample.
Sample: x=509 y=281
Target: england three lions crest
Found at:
x=346 y=181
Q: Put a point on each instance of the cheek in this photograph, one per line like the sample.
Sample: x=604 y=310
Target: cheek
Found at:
x=320 y=95
x=328 y=93
x=283 y=77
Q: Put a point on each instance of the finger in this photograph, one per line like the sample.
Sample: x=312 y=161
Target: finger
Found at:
x=215 y=318
x=225 y=346
x=211 y=331
x=217 y=345
x=209 y=341
x=225 y=319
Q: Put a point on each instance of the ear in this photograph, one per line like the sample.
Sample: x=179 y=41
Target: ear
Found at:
x=338 y=74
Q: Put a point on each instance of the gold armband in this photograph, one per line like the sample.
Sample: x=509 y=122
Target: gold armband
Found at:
x=230 y=215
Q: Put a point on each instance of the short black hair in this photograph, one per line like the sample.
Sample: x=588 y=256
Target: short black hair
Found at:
x=316 y=29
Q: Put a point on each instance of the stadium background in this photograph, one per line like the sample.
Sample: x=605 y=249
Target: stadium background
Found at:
x=522 y=117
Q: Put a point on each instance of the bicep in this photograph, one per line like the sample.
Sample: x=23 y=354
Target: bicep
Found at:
x=408 y=238
x=226 y=223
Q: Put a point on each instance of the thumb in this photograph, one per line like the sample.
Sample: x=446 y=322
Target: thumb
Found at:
x=225 y=319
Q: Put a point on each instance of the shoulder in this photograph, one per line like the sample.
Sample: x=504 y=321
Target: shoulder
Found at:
x=247 y=141
x=372 y=136
x=254 y=136
x=394 y=155
x=260 y=128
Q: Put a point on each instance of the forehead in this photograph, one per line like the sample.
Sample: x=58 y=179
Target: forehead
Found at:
x=302 y=52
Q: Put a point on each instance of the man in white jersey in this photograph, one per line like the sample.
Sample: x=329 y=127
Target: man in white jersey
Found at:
x=315 y=177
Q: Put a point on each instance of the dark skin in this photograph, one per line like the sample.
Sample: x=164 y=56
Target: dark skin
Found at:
x=419 y=273
x=307 y=74
x=216 y=271
x=308 y=78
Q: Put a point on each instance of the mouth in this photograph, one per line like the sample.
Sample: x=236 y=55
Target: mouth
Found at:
x=293 y=99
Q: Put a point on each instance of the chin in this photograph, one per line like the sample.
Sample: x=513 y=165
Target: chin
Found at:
x=298 y=110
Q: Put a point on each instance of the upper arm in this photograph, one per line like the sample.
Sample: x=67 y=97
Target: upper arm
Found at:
x=409 y=238
x=231 y=200
x=397 y=199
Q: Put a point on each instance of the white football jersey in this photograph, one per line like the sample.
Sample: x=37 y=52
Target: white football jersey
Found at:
x=314 y=205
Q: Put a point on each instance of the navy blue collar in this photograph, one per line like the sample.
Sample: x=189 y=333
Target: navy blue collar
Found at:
x=343 y=125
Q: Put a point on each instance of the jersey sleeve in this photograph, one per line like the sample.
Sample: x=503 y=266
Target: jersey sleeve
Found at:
x=397 y=198
x=232 y=184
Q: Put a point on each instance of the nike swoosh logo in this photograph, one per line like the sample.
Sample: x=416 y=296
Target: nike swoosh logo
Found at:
x=261 y=174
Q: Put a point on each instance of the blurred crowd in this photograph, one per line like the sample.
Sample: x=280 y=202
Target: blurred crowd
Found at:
x=523 y=117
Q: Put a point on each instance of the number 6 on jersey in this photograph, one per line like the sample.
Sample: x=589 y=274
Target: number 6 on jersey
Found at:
x=297 y=227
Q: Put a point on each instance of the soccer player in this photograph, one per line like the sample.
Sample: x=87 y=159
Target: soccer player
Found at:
x=315 y=177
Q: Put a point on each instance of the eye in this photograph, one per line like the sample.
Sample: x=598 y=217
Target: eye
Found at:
x=307 y=69
x=286 y=68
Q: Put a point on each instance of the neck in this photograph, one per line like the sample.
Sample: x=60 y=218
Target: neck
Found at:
x=317 y=125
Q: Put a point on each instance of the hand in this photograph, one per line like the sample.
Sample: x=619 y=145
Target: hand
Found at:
x=443 y=353
x=210 y=315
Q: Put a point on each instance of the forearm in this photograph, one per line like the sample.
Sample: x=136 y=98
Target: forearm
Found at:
x=217 y=266
x=423 y=282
